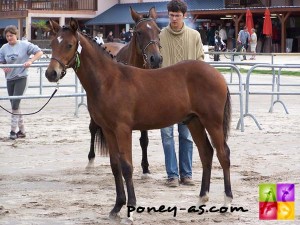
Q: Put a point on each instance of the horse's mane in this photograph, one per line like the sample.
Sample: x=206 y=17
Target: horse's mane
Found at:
x=108 y=53
x=91 y=39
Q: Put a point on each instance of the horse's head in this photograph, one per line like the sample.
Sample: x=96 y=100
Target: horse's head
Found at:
x=146 y=33
x=65 y=48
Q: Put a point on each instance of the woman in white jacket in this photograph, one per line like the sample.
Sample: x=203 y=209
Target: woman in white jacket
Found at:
x=253 y=43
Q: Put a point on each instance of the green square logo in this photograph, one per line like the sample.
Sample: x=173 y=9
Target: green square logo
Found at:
x=267 y=192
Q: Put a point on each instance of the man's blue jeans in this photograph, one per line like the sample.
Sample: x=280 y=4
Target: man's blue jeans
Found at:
x=185 y=151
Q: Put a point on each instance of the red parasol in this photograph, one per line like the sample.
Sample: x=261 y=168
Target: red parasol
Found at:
x=267 y=29
x=249 y=21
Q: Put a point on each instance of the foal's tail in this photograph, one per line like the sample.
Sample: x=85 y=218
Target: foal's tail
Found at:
x=227 y=116
x=101 y=142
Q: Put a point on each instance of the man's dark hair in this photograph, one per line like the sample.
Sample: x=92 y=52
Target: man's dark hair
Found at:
x=177 y=6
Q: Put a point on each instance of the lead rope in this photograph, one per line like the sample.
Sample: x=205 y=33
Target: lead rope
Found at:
x=27 y=114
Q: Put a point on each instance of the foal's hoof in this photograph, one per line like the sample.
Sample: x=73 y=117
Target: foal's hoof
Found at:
x=145 y=176
x=202 y=200
x=227 y=204
x=227 y=201
x=90 y=165
x=114 y=216
x=127 y=221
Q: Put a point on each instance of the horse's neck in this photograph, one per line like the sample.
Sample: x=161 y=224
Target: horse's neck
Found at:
x=95 y=66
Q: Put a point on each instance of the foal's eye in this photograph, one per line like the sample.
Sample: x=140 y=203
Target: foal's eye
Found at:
x=69 y=46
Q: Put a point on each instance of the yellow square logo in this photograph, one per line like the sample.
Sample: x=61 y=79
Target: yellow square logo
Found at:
x=285 y=210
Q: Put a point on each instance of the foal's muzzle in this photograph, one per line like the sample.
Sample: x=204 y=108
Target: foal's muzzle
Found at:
x=52 y=75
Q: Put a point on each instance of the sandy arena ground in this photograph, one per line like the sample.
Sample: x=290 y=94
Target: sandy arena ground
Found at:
x=43 y=179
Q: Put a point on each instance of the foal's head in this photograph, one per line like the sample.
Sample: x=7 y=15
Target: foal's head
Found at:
x=65 y=49
x=146 y=33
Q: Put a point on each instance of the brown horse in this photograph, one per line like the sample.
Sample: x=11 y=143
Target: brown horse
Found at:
x=143 y=52
x=123 y=98
x=113 y=47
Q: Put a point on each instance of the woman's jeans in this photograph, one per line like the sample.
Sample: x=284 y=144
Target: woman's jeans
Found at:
x=17 y=88
x=185 y=151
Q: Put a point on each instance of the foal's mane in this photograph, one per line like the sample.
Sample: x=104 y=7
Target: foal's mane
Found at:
x=92 y=40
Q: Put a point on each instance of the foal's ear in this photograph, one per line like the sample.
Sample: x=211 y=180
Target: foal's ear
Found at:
x=54 y=27
x=74 y=24
x=135 y=15
x=152 y=13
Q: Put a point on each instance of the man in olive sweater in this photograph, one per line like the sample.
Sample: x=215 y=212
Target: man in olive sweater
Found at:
x=179 y=42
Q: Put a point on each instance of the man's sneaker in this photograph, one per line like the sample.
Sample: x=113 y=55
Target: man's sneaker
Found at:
x=12 y=135
x=187 y=181
x=20 y=134
x=172 y=182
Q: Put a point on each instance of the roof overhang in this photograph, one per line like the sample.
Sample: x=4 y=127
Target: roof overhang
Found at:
x=120 y=13
x=217 y=13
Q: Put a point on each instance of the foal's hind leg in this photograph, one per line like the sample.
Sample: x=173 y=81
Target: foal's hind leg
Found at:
x=144 y=141
x=91 y=156
x=223 y=154
x=206 y=154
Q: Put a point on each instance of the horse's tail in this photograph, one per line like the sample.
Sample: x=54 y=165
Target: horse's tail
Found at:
x=101 y=143
x=227 y=116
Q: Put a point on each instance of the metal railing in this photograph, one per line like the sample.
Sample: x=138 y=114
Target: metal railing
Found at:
x=275 y=90
x=239 y=92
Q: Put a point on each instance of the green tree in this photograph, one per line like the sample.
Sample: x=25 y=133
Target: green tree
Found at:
x=41 y=27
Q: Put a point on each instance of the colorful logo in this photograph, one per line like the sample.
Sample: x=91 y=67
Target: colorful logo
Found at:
x=277 y=201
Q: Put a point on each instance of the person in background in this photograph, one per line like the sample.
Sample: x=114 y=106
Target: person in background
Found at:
x=2 y=40
x=128 y=35
x=223 y=34
x=99 y=38
x=110 y=37
x=219 y=45
x=17 y=52
x=243 y=40
x=24 y=38
x=211 y=35
x=275 y=37
x=231 y=37
x=253 y=43
x=122 y=36
x=178 y=43
x=202 y=34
